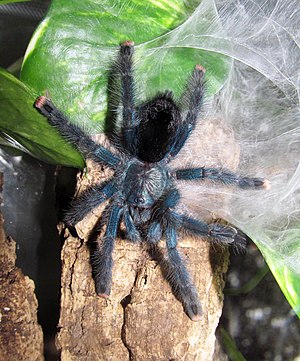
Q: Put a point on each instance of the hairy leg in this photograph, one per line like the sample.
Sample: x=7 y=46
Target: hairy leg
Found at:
x=101 y=254
x=130 y=121
x=179 y=278
x=193 y=96
x=75 y=135
x=131 y=230
x=87 y=201
x=162 y=208
x=219 y=233
x=222 y=176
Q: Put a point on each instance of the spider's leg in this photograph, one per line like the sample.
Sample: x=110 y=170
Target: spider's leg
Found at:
x=170 y=200
x=179 y=278
x=87 y=201
x=222 y=176
x=132 y=232
x=75 y=135
x=130 y=122
x=154 y=232
x=101 y=254
x=193 y=96
x=215 y=231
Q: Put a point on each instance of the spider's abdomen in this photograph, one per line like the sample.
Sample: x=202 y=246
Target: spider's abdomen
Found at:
x=143 y=185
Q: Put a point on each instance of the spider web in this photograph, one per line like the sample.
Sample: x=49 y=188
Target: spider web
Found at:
x=260 y=103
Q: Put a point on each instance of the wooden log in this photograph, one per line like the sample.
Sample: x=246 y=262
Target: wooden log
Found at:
x=141 y=320
x=21 y=336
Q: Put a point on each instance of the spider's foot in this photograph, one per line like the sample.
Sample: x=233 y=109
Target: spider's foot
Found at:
x=103 y=295
x=40 y=101
x=102 y=289
x=199 y=74
x=44 y=105
x=192 y=306
x=129 y=43
x=127 y=47
x=240 y=242
x=224 y=234
x=254 y=183
x=200 y=68
x=266 y=184
x=71 y=219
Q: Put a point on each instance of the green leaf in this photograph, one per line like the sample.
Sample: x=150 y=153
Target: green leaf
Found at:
x=23 y=127
x=285 y=274
x=230 y=347
x=73 y=48
x=3 y=2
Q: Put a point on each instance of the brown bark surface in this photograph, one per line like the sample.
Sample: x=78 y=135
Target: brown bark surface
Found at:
x=141 y=320
x=21 y=337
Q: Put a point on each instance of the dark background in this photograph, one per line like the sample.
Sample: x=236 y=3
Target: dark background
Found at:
x=261 y=321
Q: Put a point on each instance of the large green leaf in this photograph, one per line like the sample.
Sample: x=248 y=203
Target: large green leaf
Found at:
x=72 y=50
x=25 y=128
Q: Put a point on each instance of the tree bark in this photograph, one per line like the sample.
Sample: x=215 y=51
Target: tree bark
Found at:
x=21 y=336
x=142 y=319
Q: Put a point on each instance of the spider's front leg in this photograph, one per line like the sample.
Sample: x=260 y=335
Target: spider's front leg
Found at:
x=222 y=176
x=193 y=96
x=101 y=253
x=130 y=121
x=75 y=135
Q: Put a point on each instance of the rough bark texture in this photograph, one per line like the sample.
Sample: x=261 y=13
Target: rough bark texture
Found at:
x=21 y=336
x=141 y=320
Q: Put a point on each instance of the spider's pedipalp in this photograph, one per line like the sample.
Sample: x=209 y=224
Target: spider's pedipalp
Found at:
x=87 y=201
x=101 y=255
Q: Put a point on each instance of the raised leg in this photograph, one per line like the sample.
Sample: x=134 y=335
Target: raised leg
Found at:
x=75 y=135
x=130 y=121
x=179 y=278
x=101 y=254
x=87 y=201
x=222 y=176
x=193 y=96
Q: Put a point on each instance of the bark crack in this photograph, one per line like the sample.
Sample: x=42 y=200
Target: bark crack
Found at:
x=125 y=302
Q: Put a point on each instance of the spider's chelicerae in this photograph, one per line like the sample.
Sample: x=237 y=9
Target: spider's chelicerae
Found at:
x=142 y=192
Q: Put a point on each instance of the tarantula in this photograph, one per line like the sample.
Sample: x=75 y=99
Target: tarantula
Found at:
x=142 y=192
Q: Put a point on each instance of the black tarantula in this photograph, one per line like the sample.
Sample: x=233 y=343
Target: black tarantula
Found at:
x=142 y=192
